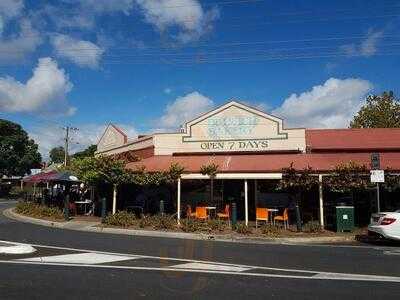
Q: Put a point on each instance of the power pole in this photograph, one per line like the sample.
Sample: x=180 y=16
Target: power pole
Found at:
x=67 y=140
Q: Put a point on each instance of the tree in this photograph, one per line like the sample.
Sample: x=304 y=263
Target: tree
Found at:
x=57 y=155
x=100 y=170
x=379 y=112
x=296 y=182
x=18 y=153
x=210 y=170
x=348 y=177
x=88 y=152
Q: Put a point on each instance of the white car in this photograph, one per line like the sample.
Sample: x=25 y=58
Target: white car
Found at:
x=386 y=225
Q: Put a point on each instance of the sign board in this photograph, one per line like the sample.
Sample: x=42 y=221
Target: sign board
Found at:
x=375 y=161
x=377 y=176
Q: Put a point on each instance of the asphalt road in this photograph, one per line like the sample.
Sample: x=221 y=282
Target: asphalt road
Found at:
x=159 y=268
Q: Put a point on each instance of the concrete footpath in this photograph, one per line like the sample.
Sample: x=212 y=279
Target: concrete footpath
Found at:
x=89 y=226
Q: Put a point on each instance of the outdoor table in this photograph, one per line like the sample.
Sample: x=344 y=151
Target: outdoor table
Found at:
x=84 y=203
x=271 y=212
x=210 y=209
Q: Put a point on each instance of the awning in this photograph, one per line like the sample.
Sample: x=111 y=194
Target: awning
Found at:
x=264 y=163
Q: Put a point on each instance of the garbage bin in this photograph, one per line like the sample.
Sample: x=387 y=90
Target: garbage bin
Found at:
x=344 y=218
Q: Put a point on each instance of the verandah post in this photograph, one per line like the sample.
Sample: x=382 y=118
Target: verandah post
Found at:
x=321 y=202
x=246 y=203
x=114 y=207
x=178 y=200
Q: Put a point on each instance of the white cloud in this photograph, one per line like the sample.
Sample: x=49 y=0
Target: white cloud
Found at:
x=45 y=91
x=331 y=105
x=167 y=91
x=15 y=48
x=9 y=9
x=188 y=15
x=50 y=136
x=108 y=6
x=184 y=109
x=82 y=53
x=367 y=47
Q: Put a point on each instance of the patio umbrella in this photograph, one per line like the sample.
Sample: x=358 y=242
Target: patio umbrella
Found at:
x=51 y=176
x=62 y=177
x=40 y=177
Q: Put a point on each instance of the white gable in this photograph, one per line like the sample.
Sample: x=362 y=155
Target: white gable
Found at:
x=232 y=127
x=234 y=121
x=112 y=137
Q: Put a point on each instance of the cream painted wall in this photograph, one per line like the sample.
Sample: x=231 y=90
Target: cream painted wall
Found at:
x=231 y=127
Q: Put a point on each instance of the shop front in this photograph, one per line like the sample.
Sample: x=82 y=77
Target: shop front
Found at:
x=248 y=150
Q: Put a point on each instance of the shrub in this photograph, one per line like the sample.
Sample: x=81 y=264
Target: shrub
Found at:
x=121 y=219
x=312 y=227
x=271 y=230
x=145 y=221
x=157 y=222
x=190 y=225
x=242 y=228
x=39 y=211
x=217 y=225
x=162 y=222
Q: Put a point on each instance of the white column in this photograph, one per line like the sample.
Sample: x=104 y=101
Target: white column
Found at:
x=321 y=202
x=178 y=200
x=114 y=207
x=22 y=185
x=246 y=203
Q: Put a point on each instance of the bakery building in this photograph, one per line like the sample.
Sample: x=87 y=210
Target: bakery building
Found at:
x=250 y=148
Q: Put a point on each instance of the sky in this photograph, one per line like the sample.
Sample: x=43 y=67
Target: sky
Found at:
x=150 y=65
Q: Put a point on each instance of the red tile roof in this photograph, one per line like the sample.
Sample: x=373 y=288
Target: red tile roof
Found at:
x=320 y=162
x=365 y=139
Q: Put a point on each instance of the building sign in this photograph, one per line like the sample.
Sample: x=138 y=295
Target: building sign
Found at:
x=231 y=127
x=235 y=145
x=377 y=176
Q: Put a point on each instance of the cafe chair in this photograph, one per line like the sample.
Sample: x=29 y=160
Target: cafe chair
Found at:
x=261 y=215
x=201 y=213
x=283 y=218
x=189 y=213
x=225 y=214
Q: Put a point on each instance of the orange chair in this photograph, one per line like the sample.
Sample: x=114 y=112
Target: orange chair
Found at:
x=284 y=218
x=201 y=213
x=189 y=213
x=261 y=214
x=226 y=214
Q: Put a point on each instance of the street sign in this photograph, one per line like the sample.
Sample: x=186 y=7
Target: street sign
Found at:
x=377 y=176
x=375 y=161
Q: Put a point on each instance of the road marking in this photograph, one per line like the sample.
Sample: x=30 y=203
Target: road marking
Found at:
x=211 y=267
x=80 y=258
x=320 y=276
x=392 y=252
x=308 y=274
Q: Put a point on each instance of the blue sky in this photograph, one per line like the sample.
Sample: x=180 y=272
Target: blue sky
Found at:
x=149 y=65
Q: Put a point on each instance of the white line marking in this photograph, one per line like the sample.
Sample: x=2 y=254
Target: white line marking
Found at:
x=393 y=252
x=332 y=276
x=343 y=278
x=79 y=258
x=210 y=267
